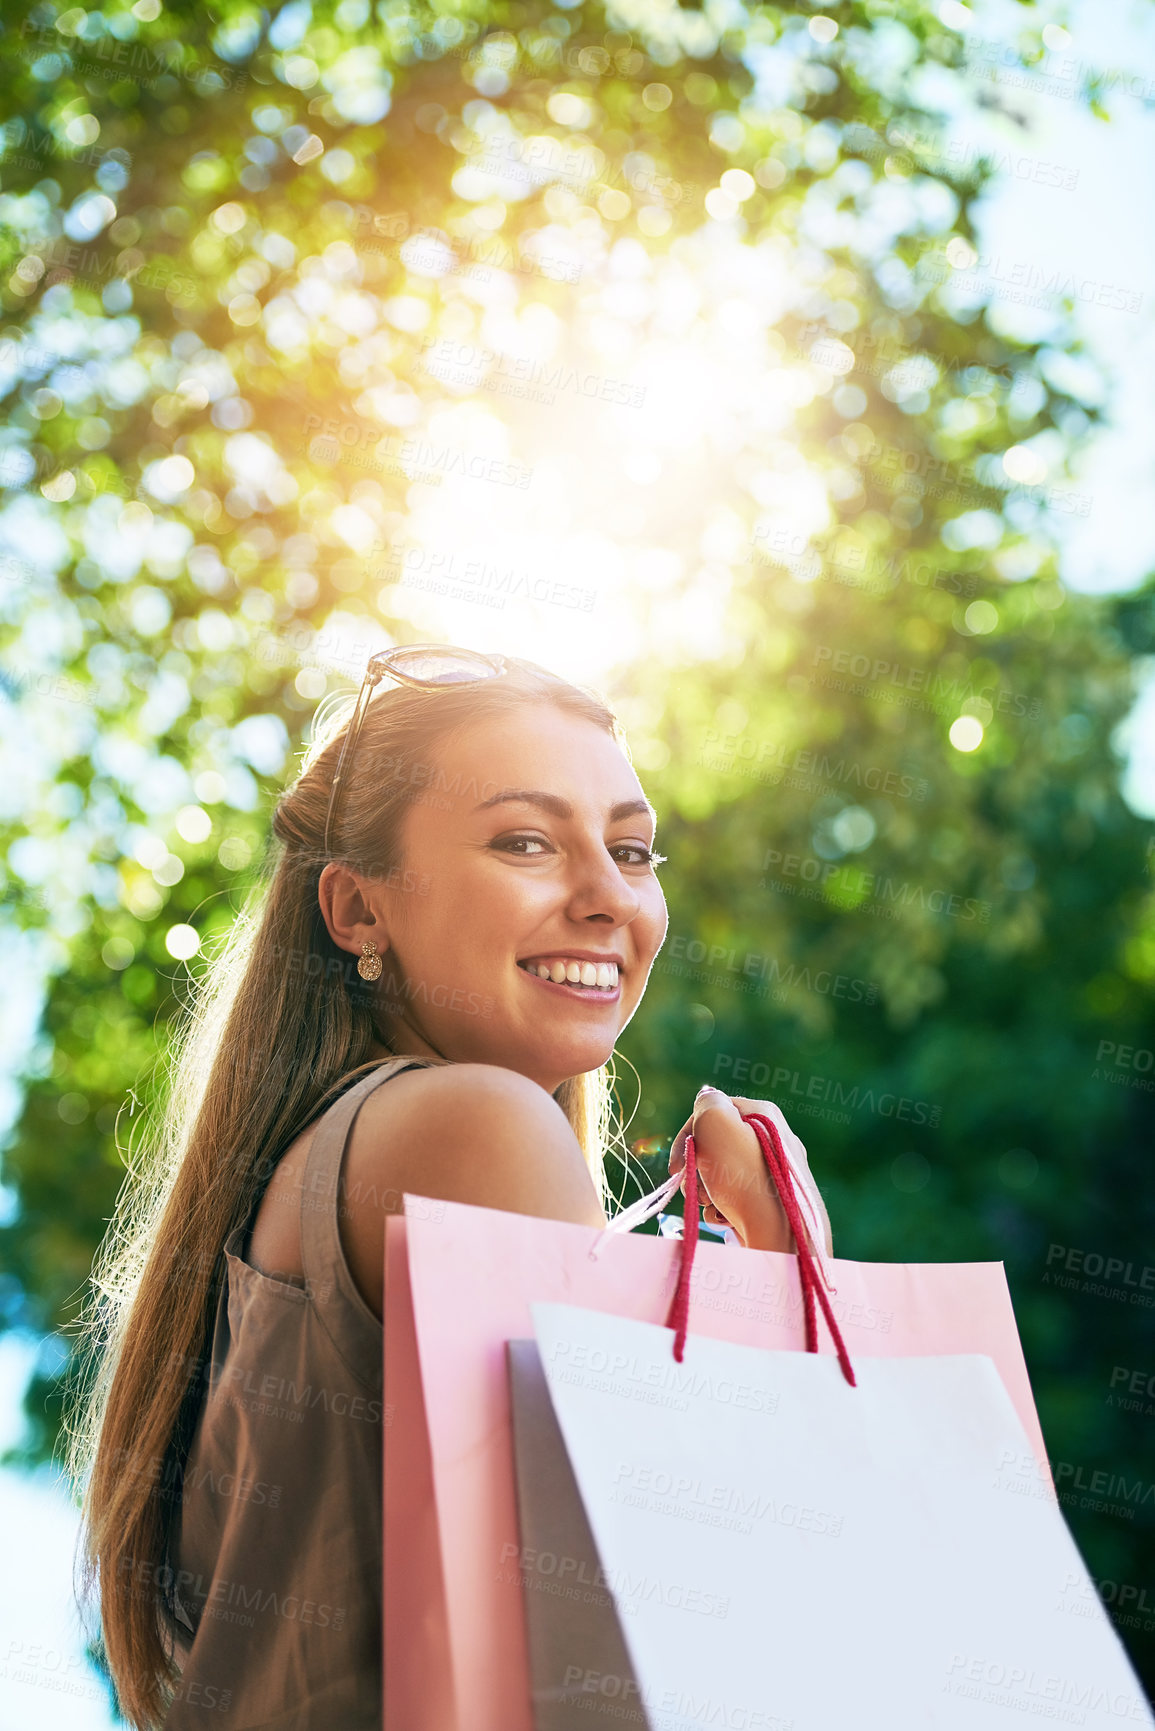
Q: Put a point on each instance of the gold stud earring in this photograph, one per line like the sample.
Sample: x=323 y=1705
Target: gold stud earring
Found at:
x=370 y=965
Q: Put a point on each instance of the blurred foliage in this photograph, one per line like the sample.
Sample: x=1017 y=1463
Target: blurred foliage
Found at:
x=269 y=282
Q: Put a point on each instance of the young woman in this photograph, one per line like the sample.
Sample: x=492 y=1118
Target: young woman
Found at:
x=462 y=904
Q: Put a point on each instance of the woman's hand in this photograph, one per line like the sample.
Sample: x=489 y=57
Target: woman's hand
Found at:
x=733 y=1174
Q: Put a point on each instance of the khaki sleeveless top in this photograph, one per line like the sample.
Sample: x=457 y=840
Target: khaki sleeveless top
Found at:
x=277 y=1575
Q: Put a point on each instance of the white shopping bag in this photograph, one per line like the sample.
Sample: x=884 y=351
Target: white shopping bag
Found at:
x=804 y=1555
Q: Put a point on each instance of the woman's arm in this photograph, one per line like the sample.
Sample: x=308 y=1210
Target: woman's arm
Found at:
x=467 y=1133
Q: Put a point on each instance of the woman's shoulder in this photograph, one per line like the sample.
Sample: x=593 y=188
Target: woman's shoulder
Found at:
x=474 y=1133
x=441 y=1108
x=440 y=1091
x=471 y=1132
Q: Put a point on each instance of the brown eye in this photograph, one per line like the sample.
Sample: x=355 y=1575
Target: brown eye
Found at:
x=519 y=845
x=642 y=855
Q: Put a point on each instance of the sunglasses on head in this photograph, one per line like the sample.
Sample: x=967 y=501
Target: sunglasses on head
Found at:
x=427 y=665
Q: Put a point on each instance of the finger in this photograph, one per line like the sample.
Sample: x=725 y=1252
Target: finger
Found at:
x=678 y=1164
x=716 y=1118
x=706 y=1098
x=712 y=1100
x=678 y=1148
x=768 y=1109
x=797 y=1159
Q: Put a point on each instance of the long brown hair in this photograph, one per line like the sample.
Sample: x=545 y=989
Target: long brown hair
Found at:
x=278 y=1021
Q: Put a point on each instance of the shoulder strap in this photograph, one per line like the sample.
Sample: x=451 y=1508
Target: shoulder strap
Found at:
x=343 y=1313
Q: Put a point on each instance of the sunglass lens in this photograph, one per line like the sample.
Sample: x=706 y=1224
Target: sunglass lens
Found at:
x=443 y=666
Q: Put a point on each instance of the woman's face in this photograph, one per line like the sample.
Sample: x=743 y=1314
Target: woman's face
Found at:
x=529 y=855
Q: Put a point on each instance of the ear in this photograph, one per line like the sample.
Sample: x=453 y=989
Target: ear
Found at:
x=352 y=908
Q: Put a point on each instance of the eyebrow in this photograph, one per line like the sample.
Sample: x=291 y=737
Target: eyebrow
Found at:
x=561 y=808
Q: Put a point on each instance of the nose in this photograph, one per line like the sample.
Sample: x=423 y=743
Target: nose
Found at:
x=598 y=889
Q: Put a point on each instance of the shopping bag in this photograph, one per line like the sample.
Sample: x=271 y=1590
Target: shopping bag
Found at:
x=470 y=1275
x=418 y=1674
x=876 y=1567
x=571 y=1615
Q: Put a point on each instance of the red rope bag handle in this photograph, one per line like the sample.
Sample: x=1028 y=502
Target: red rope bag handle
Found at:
x=774 y=1154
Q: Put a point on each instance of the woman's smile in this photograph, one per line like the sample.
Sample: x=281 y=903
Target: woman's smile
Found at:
x=585 y=975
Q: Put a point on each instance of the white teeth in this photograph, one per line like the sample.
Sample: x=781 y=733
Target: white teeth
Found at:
x=602 y=975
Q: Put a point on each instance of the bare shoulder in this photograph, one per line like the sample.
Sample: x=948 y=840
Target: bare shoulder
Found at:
x=475 y=1133
x=472 y=1133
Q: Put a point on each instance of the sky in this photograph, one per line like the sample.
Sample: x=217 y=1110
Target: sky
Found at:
x=1078 y=200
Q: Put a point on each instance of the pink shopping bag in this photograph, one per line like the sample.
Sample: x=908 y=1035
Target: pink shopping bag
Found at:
x=459 y=1284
